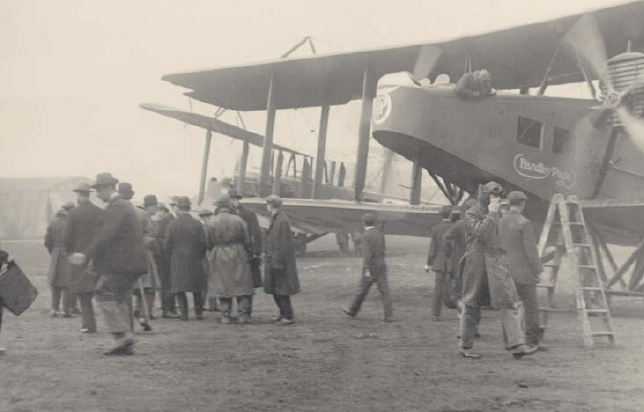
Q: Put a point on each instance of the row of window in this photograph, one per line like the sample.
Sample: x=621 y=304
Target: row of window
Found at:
x=529 y=134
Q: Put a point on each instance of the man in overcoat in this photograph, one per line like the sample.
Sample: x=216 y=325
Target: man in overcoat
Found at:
x=255 y=233
x=58 y=275
x=374 y=269
x=280 y=268
x=230 y=271
x=162 y=259
x=439 y=262
x=185 y=241
x=149 y=280
x=519 y=242
x=485 y=258
x=83 y=224
x=205 y=216
x=119 y=255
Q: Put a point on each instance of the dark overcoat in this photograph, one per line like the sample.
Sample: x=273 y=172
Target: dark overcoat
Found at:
x=255 y=233
x=118 y=248
x=436 y=256
x=373 y=251
x=83 y=224
x=58 y=274
x=519 y=243
x=185 y=241
x=280 y=269
x=230 y=270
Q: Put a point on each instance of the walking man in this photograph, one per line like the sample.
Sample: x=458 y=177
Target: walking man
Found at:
x=185 y=241
x=83 y=225
x=58 y=274
x=119 y=255
x=280 y=268
x=519 y=242
x=230 y=277
x=438 y=261
x=374 y=269
x=485 y=258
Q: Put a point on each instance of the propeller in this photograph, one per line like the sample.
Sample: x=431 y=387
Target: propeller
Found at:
x=425 y=62
x=588 y=43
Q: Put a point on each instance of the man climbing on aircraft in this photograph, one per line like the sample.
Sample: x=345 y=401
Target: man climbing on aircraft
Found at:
x=485 y=258
x=475 y=84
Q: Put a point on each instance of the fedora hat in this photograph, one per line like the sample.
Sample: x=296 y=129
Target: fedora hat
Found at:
x=104 y=179
x=150 y=200
x=125 y=190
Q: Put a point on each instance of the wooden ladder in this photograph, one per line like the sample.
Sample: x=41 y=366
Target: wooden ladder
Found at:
x=565 y=230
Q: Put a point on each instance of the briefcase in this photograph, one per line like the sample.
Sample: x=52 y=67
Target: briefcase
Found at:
x=16 y=291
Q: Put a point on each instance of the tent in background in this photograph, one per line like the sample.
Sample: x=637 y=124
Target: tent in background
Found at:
x=27 y=205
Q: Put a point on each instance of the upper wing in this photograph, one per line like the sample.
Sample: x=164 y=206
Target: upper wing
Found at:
x=215 y=125
x=620 y=220
x=516 y=57
x=320 y=216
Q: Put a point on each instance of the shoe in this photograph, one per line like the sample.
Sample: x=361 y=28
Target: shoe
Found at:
x=276 y=319
x=477 y=335
x=121 y=352
x=466 y=353
x=522 y=350
x=76 y=311
x=152 y=317
x=436 y=318
x=145 y=325
x=122 y=347
x=388 y=320
x=170 y=315
x=199 y=316
x=285 y=322
x=53 y=314
x=542 y=348
x=86 y=330
x=244 y=320
x=348 y=312
x=226 y=320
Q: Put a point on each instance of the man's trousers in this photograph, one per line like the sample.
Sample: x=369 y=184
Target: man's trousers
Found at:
x=88 y=319
x=114 y=296
x=244 y=305
x=441 y=290
x=283 y=302
x=528 y=294
x=380 y=279
x=56 y=295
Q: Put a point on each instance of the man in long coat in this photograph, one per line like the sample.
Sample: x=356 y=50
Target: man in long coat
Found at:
x=519 y=242
x=83 y=224
x=280 y=268
x=485 y=258
x=58 y=274
x=162 y=259
x=255 y=233
x=119 y=255
x=185 y=241
x=231 y=276
x=148 y=281
x=374 y=269
x=439 y=262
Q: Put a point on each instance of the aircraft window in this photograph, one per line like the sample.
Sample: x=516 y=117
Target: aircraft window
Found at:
x=563 y=142
x=529 y=132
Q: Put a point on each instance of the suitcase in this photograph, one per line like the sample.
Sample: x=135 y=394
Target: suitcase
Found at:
x=16 y=291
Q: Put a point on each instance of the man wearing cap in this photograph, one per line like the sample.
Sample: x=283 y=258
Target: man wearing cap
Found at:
x=280 y=268
x=162 y=258
x=185 y=241
x=230 y=271
x=58 y=274
x=83 y=224
x=485 y=258
x=519 y=242
x=255 y=233
x=206 y=215
x=119 y=255
x=374 y=269
x=438 y=261
x=475 y=84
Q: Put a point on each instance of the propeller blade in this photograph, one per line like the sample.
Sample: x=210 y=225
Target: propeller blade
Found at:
x=634 y=127
x=425 y=62
x=586 y=38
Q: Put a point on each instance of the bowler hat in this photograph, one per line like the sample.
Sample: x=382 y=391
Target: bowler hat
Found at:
x=82 y=187
x=234 y=194
x=68 y=206
x=222 y=201
x=517 y=196
x=150 y=200
x=125 y=190
x=205 y=212
x=104 y=179
x=183 y=202
x=173 y=200
x=274 y=200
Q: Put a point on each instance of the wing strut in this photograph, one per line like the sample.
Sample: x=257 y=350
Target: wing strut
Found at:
x=268 y=139
x=204 y=165
x=416 y=181
x=319 y=159
x=368 y=91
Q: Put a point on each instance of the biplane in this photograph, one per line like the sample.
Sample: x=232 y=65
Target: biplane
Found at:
x=521 y=137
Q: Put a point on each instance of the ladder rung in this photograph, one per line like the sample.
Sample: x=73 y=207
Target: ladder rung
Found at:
x=548 y=285
x=576 y=224
x=549 y=265
x=596 y=311
x=582 y=244
x=592 y=288
x=603 y=333
x=589 y=267
x=545 y=309
x=624 y=293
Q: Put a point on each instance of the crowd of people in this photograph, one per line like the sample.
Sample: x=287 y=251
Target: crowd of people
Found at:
x=124 y=250
x=487 y=258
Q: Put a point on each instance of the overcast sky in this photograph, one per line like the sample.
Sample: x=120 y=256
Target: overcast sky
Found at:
x=72 y=74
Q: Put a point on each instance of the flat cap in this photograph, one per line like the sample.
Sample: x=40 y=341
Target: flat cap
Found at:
x=368 y=217
x=222 y=201
x=492 y=188
x=205 y=212
x=82 y=187
x=516 y=196
x=274 y=200
x=183 y=202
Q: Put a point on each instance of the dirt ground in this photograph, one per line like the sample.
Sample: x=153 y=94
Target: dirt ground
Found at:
x=325 y=362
